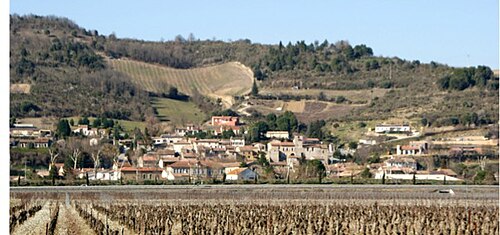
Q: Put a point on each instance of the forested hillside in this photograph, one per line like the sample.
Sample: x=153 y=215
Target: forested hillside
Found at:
x=64 y=66
x=65 y=74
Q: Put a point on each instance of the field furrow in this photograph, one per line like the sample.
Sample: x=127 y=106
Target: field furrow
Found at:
x=35 y=225
x=69 y=222
x=223 y=80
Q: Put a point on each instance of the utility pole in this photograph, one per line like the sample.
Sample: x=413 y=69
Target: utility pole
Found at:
x=25 y=160
x=390 y=70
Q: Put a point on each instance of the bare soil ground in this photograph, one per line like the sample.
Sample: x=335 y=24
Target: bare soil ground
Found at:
x=69 y=222
x=20 y=88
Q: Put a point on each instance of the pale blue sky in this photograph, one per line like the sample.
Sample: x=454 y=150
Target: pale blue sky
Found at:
x=453 y=32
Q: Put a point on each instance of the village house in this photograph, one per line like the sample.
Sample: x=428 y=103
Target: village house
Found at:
x=178 y=146
x=166 y=161
x=45 y=133
x=141 y=173
x=414 y=148
x=439 y=175
x=189 y=129
x=218 y=130
x=163 y=153
x=193 y=169
x=409 y=163
x=301 y=147
x=35 y=143
x=259 y=147
x=59 y=168
x=392 y=128
x=343 y=170
x=189 y=154
x=277 y=135
x=278 y=151
x=209 y=143
x=247 y=152
x=237 y=141
x=99 y=174
x=224 y=121
x=167 y=139
x=85 y=130
x=148 y=160
x=465 y=150
x=24 y=130
x=241 y=174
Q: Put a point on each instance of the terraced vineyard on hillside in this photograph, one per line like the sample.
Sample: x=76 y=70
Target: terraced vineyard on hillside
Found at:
x=221 y=81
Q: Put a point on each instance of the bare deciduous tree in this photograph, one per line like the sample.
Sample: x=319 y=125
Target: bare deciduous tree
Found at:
x=75 y=145
x=53 y=157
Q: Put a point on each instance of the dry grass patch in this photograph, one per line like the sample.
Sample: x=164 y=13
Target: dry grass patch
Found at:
x=352 y=95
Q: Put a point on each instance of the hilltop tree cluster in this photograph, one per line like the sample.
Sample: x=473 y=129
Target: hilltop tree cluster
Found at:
x=463 y=78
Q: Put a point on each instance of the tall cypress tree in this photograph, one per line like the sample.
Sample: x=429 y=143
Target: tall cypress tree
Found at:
x=63 y=128
x=255 y=90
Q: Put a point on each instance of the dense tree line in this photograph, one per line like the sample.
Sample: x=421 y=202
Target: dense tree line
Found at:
x=463 y=78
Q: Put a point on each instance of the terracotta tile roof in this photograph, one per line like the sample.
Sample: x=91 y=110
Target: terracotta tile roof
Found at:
x=230 y=164
x=225 y=117
x=247 y=148
x=165 y=152
x=287 y=144
x=211 y=164
x=169 y=159
x=189 y=154
x=185 y=163
x=141 y=169
x=315 y=146
x=149 y=158
x=237 y=171
x=283 y=144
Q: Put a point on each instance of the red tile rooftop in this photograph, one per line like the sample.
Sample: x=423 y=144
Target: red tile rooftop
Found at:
x=141 y=169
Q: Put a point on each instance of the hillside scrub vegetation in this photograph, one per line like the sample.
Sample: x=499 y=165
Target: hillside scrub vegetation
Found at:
x=67 y=77
x=54 y=55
